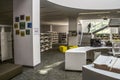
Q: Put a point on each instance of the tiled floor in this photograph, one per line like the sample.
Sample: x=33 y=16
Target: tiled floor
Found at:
x=51 y=68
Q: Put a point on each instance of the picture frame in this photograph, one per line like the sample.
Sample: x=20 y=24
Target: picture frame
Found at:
x=22 y=25
x=17 y=19
x=22 y=33
x=16 y=25
x=29 y=25
x=17 y=32
x=27 y=32
x=22 y=17
x=27 y=18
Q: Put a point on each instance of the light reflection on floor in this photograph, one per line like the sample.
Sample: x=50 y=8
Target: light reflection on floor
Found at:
x=47 y=68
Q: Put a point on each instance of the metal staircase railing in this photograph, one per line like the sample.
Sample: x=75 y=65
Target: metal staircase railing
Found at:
x=98 y=27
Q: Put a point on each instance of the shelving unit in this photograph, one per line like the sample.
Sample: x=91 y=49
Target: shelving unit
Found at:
x=104 y=37
x=46 y=41
x=62 y=38
x=54 y=36
x=116 y=37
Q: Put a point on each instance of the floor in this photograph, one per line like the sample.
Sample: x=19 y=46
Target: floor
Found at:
x=51 y=68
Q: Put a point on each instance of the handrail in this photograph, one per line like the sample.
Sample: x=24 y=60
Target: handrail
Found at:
x=98 y=27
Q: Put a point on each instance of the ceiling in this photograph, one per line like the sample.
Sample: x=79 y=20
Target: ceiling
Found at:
x=54 y=14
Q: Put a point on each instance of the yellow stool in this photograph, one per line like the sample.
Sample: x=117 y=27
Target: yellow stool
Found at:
x=63 y=49
x=70 y=47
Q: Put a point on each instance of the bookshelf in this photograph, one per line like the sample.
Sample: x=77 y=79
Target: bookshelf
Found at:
x=45 y=40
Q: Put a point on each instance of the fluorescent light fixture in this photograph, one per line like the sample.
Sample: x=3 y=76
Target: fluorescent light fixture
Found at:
x=94 y=13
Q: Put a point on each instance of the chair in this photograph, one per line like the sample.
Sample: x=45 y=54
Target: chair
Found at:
x=116 y=49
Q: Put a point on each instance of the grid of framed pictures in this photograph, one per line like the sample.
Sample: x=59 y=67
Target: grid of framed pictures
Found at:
x=22 y=25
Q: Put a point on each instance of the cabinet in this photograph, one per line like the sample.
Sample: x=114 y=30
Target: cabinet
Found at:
x=46 y=41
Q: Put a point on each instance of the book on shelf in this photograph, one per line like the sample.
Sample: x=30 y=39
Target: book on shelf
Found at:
x=109 y=63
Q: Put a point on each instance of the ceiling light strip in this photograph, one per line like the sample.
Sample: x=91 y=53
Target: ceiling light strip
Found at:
x=94 y=13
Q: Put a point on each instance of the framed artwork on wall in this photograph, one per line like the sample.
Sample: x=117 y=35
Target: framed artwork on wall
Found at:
x=22 y=33
x=22 y=17
x=22 y=25
x=27 y=32
x=27 y=18
x=16 y=19
x=17 y=32
x=16 y=25
x=29 y=25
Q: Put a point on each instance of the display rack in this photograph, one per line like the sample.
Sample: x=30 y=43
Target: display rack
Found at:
x=46 y=41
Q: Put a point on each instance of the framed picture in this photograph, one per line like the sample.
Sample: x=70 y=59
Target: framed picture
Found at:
x=22 y=17
x=22 y=25
x=16 y=25
x=29 y=25
x=17 y=19
x=27 y=32
x=22 y=33
x=17 y=32
x=27 y=18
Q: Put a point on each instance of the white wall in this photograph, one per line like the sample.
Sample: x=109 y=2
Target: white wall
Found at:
x=44 y=28
x=89 y=4
x=60 y=28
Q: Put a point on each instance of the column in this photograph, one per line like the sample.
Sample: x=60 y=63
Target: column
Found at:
x=26 y=23
x=73 y=31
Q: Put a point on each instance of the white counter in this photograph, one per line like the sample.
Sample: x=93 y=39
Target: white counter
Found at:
x=91 y=73
x=76 y=58
x=85 y=49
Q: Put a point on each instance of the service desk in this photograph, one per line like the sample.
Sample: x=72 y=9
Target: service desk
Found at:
x=77 y=57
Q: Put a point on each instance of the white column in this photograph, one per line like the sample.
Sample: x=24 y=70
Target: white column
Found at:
x=26 y=21
x=51 y=28
x=73 y=26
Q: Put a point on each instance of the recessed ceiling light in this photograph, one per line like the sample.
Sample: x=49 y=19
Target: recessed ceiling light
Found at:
x=94 y=13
